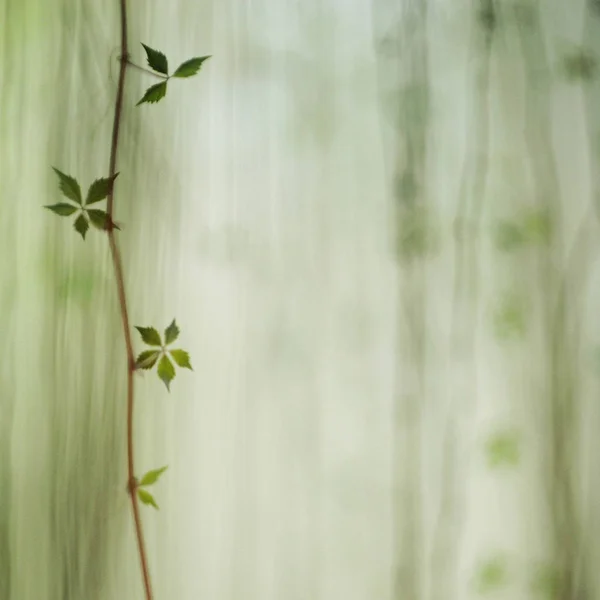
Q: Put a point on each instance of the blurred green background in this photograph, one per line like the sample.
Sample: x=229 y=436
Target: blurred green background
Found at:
x=376 y=223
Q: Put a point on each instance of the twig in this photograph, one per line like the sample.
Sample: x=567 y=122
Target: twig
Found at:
x=118 y=266
x=147 y=71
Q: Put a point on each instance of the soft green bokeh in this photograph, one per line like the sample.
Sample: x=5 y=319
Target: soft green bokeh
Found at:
x=296 y=206
x=492 y=575
x=510 y=318
x=503 y=449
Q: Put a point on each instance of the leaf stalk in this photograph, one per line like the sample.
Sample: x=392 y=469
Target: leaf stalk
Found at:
x=148 y=71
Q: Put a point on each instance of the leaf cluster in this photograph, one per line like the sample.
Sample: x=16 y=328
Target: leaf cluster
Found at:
x=150 y=478
x=158 y=62
x=97 y=192
x=160 y=354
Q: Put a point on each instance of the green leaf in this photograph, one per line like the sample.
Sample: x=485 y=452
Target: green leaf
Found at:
x=81 y=225
x=147 y=359
x=69 y=186
x=154 y=93
x=100 y=189
x=171 y=333
x=182 y=358
x=166 y=371
x=147 y=498
x=99 y=218
x=152 y=476
x=157 y=60
x=62 y=208
x=150 y=335
x=190 y=67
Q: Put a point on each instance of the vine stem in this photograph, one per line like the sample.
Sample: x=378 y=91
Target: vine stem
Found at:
x=118 y=267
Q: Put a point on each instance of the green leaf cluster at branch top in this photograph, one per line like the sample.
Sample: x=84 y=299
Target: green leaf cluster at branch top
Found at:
x=159 y=63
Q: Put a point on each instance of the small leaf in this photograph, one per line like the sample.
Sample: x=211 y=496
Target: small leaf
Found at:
x=99 y=189
x=69 y=186
x=147 y=498
x=166 y=371
x=81 y=225
x=147 y=359
x=182 y=358
x=190 y=67
x=157 y=60
x=99 y=218
x=150 y=336
x=154 y=93
x=171 y=333
x=63 y=209
x=152 y=476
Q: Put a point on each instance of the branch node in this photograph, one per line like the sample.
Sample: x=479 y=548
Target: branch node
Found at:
x=132 y=486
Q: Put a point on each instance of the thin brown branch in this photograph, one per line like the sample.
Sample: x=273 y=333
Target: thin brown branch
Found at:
x=118 y=266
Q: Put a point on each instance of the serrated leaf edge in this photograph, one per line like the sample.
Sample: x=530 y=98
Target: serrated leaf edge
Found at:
x=150 y=50
x=141 y=331
x=185 y=62
x=145 y=98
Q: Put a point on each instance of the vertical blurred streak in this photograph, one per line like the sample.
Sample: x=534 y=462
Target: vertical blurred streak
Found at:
x=311 y=557
x=8 y=286
x=559 y=315
x=449 y=526
x=413 y=237
x=245 y=559
x=19 y=109
x=405 y=45
x=78 y=325
x=414 y=244
x=591 y=476
x=471 y=192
